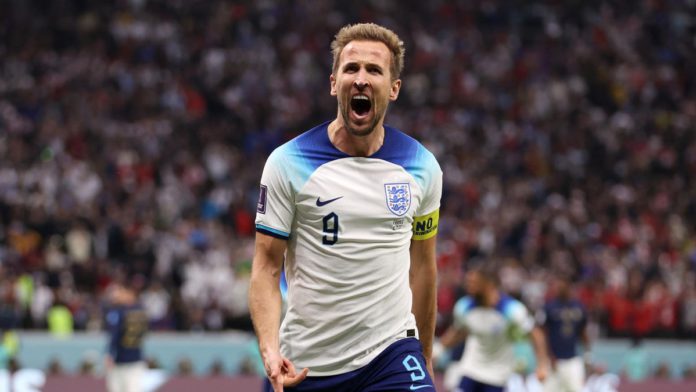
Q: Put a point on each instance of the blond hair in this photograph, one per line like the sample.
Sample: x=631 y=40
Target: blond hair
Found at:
x=370 y=32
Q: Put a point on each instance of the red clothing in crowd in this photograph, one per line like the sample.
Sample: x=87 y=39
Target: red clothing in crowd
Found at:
x=643 y=317
x=619 y=311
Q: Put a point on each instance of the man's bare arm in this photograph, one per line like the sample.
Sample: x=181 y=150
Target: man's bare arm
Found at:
x=264 y=290
x=423 y=279
x=265 y=307
x=538 y=340
x=452 y=337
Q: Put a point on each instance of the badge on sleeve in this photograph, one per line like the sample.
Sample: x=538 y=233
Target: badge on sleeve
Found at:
x=261 y=205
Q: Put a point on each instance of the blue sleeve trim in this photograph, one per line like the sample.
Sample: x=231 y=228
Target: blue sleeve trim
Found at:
x=464 y=305
x=272 y=232
x=507 y=305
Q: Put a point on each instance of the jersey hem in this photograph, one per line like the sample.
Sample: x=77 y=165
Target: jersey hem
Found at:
x=483 y=379
x=379 y=349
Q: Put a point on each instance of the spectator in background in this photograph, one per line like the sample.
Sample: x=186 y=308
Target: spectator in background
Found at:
x=217 y=368
x=88 y=364
x=237 y=298
x=688 y=307
x=55 y=367
x=689 y=373
x=60 y=320
x=9 y=347
x=184 y=367
x=662 y=371
x=78 y=242
x=41 y=301
x=156 y=302
x=559 y=125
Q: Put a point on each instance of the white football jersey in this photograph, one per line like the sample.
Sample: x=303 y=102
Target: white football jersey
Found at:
x=349 y=222
x=488 y=353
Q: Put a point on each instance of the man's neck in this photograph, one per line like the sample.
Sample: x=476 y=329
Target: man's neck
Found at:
x=358 y=146
x=491 y=297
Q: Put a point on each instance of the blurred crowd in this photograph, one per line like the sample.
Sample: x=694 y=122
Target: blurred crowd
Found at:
x=133 y=134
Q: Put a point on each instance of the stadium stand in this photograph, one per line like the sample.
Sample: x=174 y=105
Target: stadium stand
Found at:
x=133 y=133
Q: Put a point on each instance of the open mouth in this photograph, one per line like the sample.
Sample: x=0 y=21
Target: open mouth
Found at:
x=360 y=104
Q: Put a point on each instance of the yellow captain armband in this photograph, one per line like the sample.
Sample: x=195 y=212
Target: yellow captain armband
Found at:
x=425 y=226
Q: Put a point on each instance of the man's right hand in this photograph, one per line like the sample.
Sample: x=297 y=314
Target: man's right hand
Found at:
x=281 y=372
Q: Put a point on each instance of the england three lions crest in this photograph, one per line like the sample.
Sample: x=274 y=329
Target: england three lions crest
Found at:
x=398 y=197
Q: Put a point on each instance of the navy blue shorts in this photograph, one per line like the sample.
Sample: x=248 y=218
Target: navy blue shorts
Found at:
x=400 y=367
x=470 y=385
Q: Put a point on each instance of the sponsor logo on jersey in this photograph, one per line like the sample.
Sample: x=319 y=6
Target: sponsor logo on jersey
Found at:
x=261 y=205
x=398 y=197
x=398 y=224
x=321 y=203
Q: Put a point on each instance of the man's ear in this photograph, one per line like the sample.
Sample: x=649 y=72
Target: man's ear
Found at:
x=395 y=88
x=332 y=79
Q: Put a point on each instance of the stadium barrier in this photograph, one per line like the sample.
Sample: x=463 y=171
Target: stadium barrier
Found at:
x=235 y=352
x=34 y=380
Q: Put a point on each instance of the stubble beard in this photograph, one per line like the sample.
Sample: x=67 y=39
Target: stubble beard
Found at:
x=345 y=113
x=478 y=296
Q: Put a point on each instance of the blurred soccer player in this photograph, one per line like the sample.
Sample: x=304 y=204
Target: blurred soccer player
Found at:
x=565 y=322
x=490 y=322
x=127 y=324
x=351 y=206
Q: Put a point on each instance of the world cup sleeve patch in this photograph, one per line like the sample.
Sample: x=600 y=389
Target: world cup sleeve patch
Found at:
x=425 y=226
x=261 y=205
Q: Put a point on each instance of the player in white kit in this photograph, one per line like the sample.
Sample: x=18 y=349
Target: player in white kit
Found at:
x=351 y=209
x=491 y=322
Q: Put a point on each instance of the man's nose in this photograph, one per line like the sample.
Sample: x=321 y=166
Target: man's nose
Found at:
x=360 y=83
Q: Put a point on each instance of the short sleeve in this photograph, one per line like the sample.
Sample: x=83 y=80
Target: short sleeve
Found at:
x=432 y=191
x=276 y=205
x=460 y=312
x=520 y=317
x=427 y=216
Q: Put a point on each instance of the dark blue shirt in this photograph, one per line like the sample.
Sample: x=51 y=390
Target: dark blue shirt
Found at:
x=127 y=326
x=564 y=323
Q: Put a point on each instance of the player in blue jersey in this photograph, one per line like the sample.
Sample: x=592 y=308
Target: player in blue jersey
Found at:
x=127 y=323
x=490 y=322
x=565 y=322
x=350 y=210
